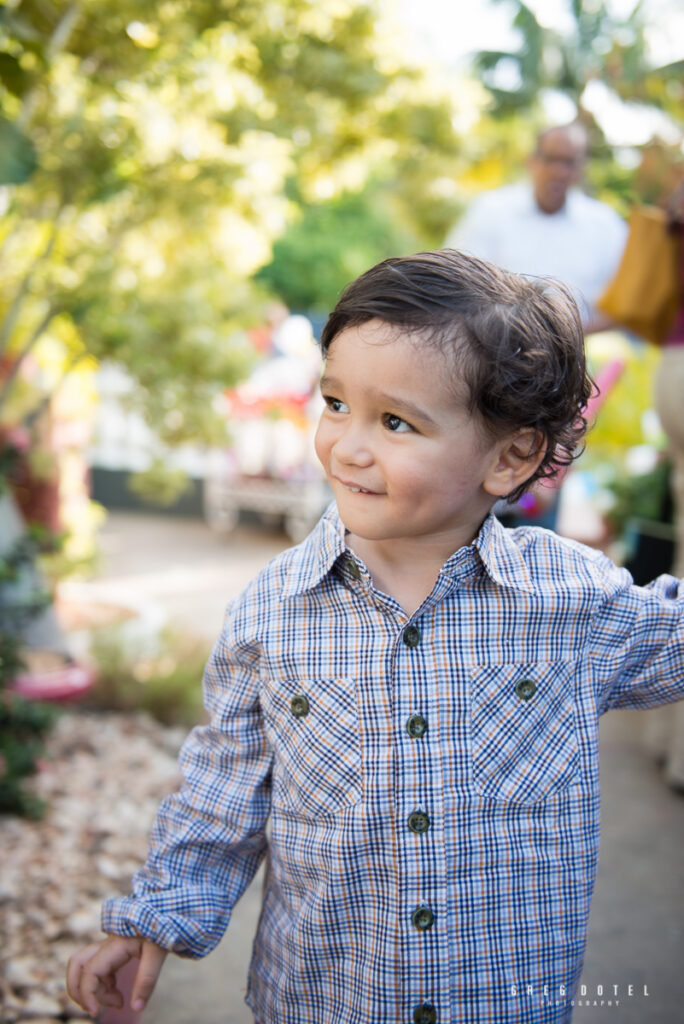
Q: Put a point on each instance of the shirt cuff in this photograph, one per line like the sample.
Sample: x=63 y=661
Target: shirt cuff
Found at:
x=131 y=916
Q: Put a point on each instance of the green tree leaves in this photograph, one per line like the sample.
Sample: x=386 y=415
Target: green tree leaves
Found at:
x=158 y=151
x=17 y=155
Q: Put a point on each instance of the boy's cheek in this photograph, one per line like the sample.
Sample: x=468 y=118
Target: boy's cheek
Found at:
x=322 y=444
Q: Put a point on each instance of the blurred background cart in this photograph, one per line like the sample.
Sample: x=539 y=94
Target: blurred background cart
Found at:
x=271 y=469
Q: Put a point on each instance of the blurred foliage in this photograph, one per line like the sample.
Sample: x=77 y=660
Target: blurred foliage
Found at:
x=596 y=42
x=641 y=497
x=626 y=434
x=17 y=154
x=160 y=484
x=164 y=681
x=659 y=172
x=146 y=157
x=23 y=728
x=602 y=47
x=23 y=724
x=621 y=423
x=332 y=243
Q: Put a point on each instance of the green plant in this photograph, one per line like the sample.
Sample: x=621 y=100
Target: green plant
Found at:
x=164 y=681
x=23 y=725
x=161 y=484
x=642 y=497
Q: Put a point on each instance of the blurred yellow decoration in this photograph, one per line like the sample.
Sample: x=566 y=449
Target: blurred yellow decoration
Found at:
x=625 y=420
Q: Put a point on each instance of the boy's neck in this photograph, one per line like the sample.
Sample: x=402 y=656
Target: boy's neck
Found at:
x=407 y=570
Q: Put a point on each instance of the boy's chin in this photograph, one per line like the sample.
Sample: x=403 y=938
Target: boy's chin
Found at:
x=368 y=527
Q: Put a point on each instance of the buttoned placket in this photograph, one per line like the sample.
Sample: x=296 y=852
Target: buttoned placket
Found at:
x=420 y=816
x=378 y=699
x=419 y=819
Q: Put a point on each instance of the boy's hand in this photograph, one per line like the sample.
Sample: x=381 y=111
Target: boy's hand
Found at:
x=91 y=973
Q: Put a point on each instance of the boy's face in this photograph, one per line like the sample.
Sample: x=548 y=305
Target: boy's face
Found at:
x=403 y=455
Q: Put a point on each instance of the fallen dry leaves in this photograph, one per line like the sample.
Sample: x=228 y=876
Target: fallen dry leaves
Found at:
x=103 y=777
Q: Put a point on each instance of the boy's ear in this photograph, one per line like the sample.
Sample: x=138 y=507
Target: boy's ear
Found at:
x=514 y=460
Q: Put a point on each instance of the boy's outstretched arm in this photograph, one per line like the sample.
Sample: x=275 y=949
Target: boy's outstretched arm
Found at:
x=91 y=973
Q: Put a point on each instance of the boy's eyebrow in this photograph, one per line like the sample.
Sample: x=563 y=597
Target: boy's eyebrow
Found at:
x=401 y=405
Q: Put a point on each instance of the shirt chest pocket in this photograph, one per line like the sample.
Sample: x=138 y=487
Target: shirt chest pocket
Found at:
x=523 y=733
x=313 y=728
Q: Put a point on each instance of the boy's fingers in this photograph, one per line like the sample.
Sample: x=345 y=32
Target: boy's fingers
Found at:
x=97 y=967
x=91 y=973
x=151 y=962
x=108 y=994
x=111 y=998
x=75 y=969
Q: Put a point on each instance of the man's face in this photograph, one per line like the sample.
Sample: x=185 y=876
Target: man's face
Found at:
x=555 y=167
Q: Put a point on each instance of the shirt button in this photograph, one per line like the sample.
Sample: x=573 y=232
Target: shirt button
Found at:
x=525 y=688
x=424 y=1014
x=416 y=727
x=299 y=705
x=418 y=821
x=422 y=918
x=411 y=636
x=354 y=570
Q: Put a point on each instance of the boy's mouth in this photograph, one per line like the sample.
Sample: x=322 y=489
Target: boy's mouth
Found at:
x=354 y=488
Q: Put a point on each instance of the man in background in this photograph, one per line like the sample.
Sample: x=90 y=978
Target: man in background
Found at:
x=547 y=227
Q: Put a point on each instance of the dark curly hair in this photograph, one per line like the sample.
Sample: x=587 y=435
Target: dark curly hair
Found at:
x=515 y=342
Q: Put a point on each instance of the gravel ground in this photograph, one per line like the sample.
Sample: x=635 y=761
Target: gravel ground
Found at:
x=103 y=776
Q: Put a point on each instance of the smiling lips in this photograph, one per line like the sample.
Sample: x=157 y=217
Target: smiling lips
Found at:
x=354 y=488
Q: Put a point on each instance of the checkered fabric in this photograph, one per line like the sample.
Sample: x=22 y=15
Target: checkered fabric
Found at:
x=432 y=782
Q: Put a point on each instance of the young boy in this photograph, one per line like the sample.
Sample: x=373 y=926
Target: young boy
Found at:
x=413 y=692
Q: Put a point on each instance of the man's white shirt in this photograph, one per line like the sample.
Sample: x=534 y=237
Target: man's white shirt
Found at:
x=580 y=245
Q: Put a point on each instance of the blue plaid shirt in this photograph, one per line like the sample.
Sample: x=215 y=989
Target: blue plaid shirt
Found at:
x=432 y=781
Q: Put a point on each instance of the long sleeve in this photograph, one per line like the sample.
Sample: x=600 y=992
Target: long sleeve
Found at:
x=638 y=643
x=208 y=838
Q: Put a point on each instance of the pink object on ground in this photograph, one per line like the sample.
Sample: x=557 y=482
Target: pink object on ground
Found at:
x=60 y=684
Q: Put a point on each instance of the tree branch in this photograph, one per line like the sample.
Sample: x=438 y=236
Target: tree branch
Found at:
x=58 y=42
x=15 y=306
x=31 y=417
x=32 y=340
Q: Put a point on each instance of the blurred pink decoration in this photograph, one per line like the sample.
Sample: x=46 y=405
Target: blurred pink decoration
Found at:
x=60 y=684
x=606 y=379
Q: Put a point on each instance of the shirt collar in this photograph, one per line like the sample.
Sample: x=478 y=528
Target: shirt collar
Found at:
x=314 y=557
x=498 y=553
x=501 y=556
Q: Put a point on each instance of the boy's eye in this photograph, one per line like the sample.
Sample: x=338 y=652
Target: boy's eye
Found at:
x=335 y=404
x=396 y=424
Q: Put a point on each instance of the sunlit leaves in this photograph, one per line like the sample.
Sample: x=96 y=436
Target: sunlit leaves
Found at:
x=166 y=136
x=597 y=42
x=17 y=155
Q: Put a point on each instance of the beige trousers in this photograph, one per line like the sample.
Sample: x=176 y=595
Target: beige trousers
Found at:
x=665 y=726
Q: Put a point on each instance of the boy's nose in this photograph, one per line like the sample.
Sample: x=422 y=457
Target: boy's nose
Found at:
x=352 y=448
